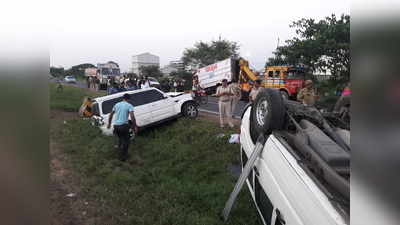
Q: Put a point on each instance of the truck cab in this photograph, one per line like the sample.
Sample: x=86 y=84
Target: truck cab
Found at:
x=288 y=79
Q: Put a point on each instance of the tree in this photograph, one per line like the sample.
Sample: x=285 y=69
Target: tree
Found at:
x=57 y=71
x=203 y=53
x=150 y=71
x=322 y=46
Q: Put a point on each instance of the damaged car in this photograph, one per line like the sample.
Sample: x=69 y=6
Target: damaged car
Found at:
x=152 y=107
x=302 y=173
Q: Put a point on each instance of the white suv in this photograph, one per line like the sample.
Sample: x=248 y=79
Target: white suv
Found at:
x=152 y=106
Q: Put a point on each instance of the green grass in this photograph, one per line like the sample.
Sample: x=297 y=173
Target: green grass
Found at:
x=70 y=98
x=177 y=172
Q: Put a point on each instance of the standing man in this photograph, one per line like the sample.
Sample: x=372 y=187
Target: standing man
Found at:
x=224 y=93
x=122 y=111
x=175 y=86
x=146 y=83
x=237 y=95
x=307 y=95
x=88 y=82
x=254 y=91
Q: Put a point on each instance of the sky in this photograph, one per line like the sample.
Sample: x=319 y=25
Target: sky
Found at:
x=99 y=31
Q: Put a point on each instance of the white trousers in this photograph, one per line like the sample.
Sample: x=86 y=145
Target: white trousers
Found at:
x=225 y=113
x=234 y=103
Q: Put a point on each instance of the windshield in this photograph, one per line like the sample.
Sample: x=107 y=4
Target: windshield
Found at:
x=295 y=74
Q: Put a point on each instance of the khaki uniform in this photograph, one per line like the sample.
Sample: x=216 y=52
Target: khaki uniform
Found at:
x=237 y=95
x=253 y=93
x=307 y=96
x=224 y=104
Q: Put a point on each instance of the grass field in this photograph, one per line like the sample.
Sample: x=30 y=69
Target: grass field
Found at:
x=177 y=173
x=70 y=98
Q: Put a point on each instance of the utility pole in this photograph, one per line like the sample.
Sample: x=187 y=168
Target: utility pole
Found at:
x=278 y=43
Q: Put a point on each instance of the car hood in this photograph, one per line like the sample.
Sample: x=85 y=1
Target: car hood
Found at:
x=174 y=94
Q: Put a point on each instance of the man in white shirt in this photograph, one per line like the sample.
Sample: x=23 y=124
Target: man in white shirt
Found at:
x=224 y=93
x=146 y=83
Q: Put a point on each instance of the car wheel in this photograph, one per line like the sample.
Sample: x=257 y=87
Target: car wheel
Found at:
x=190 y=110
x=284 y=95
x=204 y=100
x=267 y=113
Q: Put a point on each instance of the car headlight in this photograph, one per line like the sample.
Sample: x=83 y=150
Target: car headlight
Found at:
x=97 y=121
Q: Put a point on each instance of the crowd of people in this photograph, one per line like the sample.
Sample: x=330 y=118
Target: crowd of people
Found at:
x=173 y=85
x=123 y=83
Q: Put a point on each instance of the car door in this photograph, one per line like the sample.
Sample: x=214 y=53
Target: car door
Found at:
x=142 y=108
x=162 y=107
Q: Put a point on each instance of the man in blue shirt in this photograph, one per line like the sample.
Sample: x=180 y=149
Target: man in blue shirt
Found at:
x=122 y=111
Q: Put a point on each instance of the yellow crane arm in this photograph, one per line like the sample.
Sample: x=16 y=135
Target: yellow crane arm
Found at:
x=244 y=66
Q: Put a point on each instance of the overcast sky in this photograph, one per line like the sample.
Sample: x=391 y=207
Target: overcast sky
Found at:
x=99 y=31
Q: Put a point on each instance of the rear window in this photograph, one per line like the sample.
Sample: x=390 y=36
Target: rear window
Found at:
x=107 y=106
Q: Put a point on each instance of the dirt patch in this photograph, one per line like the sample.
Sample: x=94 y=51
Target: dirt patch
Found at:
x=64 y=209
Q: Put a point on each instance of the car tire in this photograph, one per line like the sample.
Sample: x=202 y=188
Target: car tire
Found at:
x=190 y=110
x=204 y=100
x=267 y=113
x=284 y=94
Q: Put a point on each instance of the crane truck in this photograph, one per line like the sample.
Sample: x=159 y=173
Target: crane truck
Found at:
x=287 y=79
x=232 y=69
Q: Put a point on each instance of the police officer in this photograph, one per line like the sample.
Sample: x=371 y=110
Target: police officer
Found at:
x=224 y=93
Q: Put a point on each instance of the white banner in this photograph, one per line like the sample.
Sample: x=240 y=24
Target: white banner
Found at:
x=212 y=74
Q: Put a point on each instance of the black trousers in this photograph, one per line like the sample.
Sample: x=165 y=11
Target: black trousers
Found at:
x=122 y=131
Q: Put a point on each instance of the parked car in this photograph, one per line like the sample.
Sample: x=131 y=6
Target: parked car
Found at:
x=70 y=79
x=154 y=82
x=302 y=175
x=152 y=106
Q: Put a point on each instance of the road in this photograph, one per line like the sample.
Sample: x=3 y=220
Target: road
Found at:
x=210 y=107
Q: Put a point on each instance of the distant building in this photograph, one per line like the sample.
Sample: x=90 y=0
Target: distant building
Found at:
x=144 y=59
x=173 y=66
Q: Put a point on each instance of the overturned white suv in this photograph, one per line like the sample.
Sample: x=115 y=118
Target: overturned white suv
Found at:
x=152 y=107
x=301 y=174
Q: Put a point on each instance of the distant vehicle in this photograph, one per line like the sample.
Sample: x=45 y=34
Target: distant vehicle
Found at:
x=209 y=76
x=103 y=72
x=70 y=79
x=152 y=106
x=289 y=80
x=231 y=69
x=154 y=82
